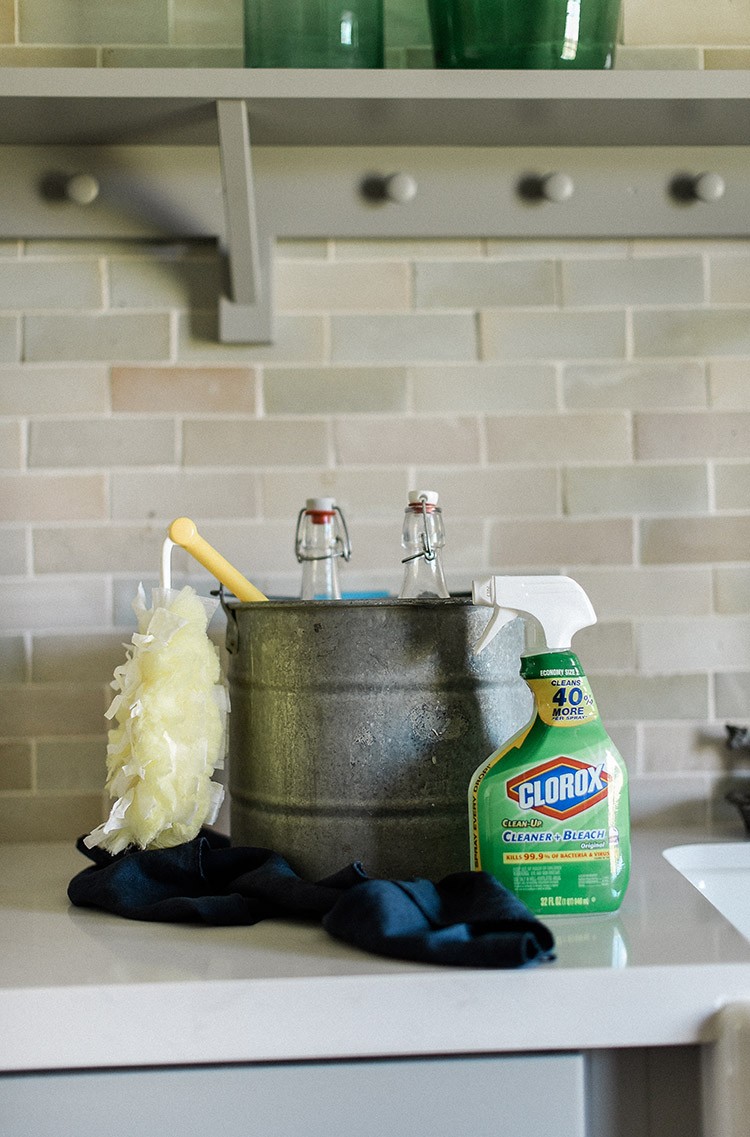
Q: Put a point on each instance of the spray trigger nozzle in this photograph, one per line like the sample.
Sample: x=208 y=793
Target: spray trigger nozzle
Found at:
x=499 y=618
x=553 y=608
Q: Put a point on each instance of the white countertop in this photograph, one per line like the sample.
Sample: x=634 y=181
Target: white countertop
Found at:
x=80 y=988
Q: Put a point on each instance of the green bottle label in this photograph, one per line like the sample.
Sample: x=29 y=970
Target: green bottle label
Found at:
x=549 y=810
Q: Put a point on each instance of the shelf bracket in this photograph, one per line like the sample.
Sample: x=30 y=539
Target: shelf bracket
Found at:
x=247 y=315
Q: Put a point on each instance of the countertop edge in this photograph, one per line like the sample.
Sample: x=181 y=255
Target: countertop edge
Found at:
x=160 y=996
x=362 y=1016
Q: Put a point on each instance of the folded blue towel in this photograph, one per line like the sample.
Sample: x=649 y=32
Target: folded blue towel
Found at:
x=467 y=919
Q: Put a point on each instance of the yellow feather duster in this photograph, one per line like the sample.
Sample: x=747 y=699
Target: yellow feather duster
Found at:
x=170 y=710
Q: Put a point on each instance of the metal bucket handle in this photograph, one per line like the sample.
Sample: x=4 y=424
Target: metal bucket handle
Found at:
x=233 y=631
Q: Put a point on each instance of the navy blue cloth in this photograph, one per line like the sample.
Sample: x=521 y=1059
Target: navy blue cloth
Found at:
x=467 y=919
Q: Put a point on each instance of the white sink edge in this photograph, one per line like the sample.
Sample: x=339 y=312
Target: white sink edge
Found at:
x=721 y=872
x=709 y=855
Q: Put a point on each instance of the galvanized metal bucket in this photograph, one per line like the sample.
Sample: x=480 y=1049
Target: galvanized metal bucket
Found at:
x=356 y=726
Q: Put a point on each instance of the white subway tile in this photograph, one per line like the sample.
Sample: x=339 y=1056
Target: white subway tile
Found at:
x=86 y=657
x=226 y=57
x=66 y=765
x=52 y=497
x=681 y=800
x=484 y=284
x=694 y=540
x=50 y=816
x=682 y=747
x=671 y=22
x=29 y=389
x=636 y=385
x=19 y=56
x=700 y=644
x=503 y=491
x=7 y=21
x=52 y=709
x=98 y=549
x=641 y=697
x=61 y=602
x=657 y=58
x=708 y=434
x=606 y=283
x=639 y=593
x=10 y=339
x=291 y=249
x=12 y=659
x=29 y=284
x=153 y=283
x=729 y=58
x=333 y=390
x=479 y=388
x=101 y=336
x=194 y=22
x=732 y=486
x=201 y=494
x=552 y=335
x=692 y=332
x=184 y=390
x=733 y=695
x=401 y=441
x=101 y=442
x=253 y=443
x=419 y=336
x=606 y=647
x=547 y=438
x=732 y=587
x=730 y=280
x=343 y=286
x=146 y=249
x=525 y=247
x=11 y=445
x=12 y=551
x=636 y=489
x=525 y=544
x=375 y=248
x=15 y=766
x=729 y=384
x=89 y=21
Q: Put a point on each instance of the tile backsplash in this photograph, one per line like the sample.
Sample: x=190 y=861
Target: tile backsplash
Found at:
x=581 y=406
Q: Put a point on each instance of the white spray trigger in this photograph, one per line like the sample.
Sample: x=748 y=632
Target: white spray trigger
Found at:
x=554 y=608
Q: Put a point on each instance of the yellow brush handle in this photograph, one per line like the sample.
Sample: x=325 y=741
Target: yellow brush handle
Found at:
x=184 y=533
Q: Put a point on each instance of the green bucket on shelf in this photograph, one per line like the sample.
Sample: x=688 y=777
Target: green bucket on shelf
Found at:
x=534 y=34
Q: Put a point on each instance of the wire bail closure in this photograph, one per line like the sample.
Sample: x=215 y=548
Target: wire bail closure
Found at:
x=342 y=546
x=427 y=550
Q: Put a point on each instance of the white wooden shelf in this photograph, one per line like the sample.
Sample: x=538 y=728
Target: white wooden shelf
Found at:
x=246 y=156
x=75 y=106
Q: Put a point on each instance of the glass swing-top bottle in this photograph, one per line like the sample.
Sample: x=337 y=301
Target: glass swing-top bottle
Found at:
x=423 y=538
x=321 y=538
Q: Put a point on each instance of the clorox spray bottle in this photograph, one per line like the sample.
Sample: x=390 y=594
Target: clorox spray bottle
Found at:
x=549 y=810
